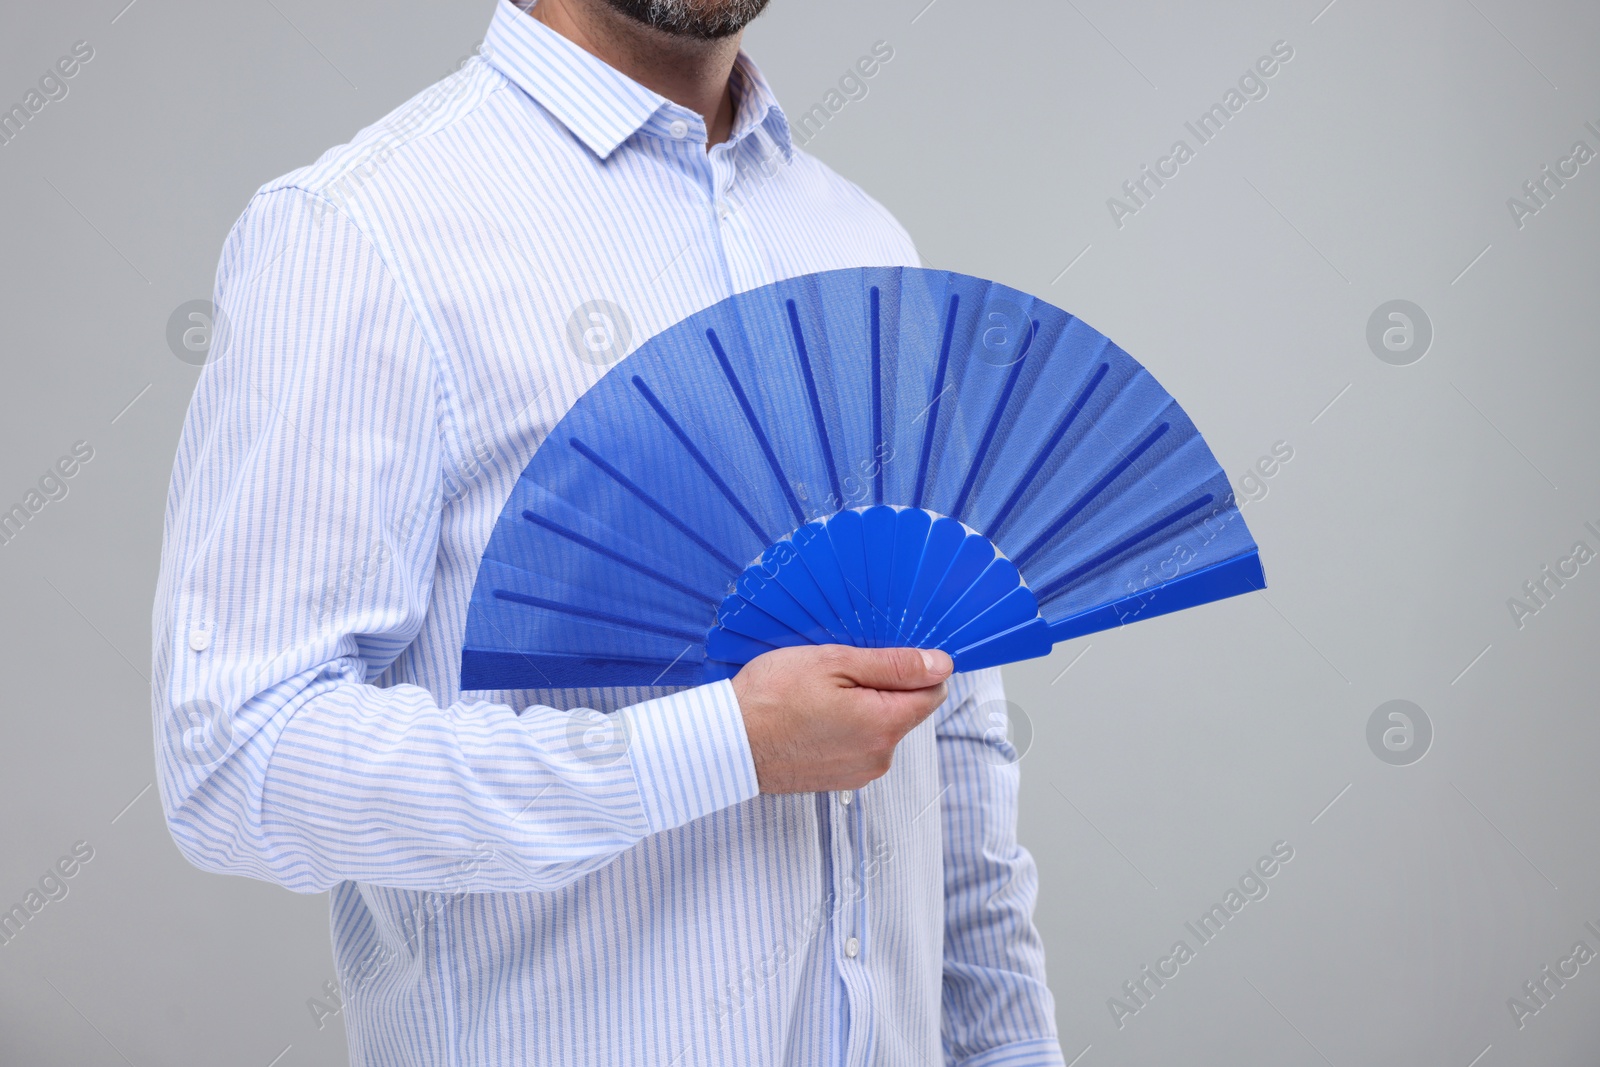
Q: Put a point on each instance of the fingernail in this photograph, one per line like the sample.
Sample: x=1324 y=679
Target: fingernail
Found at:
x=933 y=660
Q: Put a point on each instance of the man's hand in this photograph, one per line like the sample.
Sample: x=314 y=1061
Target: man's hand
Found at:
x=827 y=717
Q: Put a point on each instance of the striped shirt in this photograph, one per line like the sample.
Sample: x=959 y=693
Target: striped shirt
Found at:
x=561 y=877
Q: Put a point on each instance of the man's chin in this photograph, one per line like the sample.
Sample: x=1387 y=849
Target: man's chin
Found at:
x=705 y=20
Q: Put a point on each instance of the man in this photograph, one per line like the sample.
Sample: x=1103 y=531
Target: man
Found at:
x=732 y=874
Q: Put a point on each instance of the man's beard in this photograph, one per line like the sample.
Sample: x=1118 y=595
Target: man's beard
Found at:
x=707 y=20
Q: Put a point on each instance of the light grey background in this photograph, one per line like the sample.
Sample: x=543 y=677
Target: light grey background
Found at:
x=1166 y=758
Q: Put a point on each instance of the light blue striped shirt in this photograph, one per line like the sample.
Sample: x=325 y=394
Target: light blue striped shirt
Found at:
x=517 y=879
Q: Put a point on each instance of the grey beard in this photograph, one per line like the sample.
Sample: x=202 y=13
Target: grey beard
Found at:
x=704 y=19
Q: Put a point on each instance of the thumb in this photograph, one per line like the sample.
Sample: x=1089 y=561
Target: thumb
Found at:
x=897 y=668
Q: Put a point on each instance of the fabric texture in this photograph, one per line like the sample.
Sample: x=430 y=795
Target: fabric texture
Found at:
x=525 y=877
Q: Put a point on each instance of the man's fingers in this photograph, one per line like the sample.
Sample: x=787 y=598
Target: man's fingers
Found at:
x=907 y=708
x=895 y=668
x=830 y=717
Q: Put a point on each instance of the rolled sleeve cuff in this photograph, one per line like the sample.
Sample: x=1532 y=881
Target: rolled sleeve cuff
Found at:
x=690 y=755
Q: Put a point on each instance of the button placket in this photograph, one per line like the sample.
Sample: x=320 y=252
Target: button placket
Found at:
x=852 y=913
x=723 y=184
x=747 y=263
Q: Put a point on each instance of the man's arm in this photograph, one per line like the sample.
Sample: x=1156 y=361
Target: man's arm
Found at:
x=997 y=1008
x=301 y=539
x=300 y=544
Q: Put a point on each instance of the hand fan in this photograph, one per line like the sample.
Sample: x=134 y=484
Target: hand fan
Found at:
x=872 y=457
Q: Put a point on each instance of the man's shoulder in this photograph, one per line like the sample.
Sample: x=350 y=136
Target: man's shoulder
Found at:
x=362 y=169
x=849 y=202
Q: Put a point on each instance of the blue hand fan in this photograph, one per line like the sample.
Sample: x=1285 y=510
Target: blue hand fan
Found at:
x=871 y=457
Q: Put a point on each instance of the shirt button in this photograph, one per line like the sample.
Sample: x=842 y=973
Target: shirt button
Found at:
x=852 y=948
x=199 y=639
x=846 y=797
x=679 y=129
x=723 y=209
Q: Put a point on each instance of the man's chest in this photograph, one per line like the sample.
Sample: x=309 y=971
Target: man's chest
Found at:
x=534 y=285
x=537 y=277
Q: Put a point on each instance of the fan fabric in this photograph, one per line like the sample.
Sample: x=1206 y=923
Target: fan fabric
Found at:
x=887 y=456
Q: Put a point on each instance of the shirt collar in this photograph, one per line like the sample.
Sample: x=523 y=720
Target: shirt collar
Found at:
x=602 y=106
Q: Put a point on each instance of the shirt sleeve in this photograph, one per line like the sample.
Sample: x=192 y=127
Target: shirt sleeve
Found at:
x=997 y=1008
x=300 y=540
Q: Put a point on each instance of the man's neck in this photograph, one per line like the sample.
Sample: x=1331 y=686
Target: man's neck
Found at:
x=687 y=71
